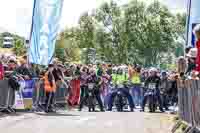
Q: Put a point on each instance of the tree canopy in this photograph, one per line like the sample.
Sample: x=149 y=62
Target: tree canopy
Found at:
x=130 y=33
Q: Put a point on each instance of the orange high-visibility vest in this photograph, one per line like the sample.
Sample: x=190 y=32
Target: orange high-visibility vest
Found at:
x=47 y=86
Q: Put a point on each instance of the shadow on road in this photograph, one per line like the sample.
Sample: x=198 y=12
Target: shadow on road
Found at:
x=9 y=114
x=55 y=114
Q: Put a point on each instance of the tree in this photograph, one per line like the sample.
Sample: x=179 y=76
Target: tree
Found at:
x=67 y=46
x=131 y=33
x=86 y=31
x=110 y=16
x=19 y=47
x=149 y=30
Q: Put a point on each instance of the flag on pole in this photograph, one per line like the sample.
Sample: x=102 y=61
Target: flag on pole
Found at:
x=45 y=25
x=192 y=20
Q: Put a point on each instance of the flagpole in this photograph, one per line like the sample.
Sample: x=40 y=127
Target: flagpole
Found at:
x=188 y=21
x=28 y=47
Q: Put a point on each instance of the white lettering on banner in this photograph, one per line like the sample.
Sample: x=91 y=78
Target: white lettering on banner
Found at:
x=45 y=26
x=43 y=47
x=28 y=90
x=44 y=32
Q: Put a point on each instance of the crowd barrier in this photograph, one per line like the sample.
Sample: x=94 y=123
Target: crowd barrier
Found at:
x=7 y=96
x=189 y=102
x=31 y=94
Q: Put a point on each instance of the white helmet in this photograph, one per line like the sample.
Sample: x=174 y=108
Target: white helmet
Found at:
x=153 y=70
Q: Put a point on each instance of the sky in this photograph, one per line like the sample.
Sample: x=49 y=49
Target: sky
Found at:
x=16 y=15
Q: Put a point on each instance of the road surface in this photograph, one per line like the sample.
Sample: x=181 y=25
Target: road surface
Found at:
x=85 y=122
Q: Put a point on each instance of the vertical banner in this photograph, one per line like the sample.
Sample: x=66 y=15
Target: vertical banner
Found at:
x=45 y=25
x=193 y=20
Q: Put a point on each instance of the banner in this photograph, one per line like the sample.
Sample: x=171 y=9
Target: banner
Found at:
x=45 y=25
x=193 y=20
x=29 y=86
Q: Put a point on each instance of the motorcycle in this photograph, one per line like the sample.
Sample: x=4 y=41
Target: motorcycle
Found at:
x=151 y=93
x=91 y=97
x=120 y=100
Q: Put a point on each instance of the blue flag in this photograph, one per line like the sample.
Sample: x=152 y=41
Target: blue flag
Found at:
x=193 y=19
x=45 y=25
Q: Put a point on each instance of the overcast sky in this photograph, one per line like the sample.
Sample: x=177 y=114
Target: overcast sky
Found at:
x=16 y=14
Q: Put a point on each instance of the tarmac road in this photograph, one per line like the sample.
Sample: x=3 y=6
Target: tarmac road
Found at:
x=85 y=122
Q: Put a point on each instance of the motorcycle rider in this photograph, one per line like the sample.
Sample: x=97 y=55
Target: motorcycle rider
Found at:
x=97 y=80
x=118 y=79
x=153 y=79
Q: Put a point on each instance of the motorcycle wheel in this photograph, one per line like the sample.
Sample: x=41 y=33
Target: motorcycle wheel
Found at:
x=90 y=103
x=120 y=103
x=151 y=104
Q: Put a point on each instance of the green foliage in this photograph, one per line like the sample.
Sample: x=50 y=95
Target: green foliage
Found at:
x=86 y=31
x=131 y=33
x=67 y=47
x=19 y=48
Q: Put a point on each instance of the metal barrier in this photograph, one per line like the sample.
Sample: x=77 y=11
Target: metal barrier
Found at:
x=7 y=96
x=31 y=94
x=39 y=96
x=189 y=101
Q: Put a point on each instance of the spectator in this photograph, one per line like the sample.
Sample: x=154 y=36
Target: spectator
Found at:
x=12 y=64
x=136 y=81
x=99 y=70
x=50 y=88
x=187 y=49
x=23 y=69
x=191 y=60
x=181 y=65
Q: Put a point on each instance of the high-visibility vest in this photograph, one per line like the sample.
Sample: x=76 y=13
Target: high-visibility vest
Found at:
x=47 y=86
x=119 y=78
x=136 y=78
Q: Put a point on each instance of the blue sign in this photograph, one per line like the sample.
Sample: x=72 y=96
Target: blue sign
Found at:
x=27 y=91
x=45 y=25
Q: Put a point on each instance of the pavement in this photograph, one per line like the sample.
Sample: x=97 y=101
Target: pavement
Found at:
x=86 y=122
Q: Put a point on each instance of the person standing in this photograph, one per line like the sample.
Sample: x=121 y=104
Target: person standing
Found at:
x=83 y=79
x=164 y=85
x=105 y=78
x=153 y=80
x=58 y=74
x=74 y=97
x=24 y=69
x=119 y=79
x=50 y=88
x=92 y=78
x=134 y=77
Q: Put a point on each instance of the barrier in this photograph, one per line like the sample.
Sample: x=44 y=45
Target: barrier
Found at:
x=39 y=96
x=7 y=96
x=31 y=94
x=189 y=102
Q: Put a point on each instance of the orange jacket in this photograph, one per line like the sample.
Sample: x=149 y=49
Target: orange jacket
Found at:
x=47 y=86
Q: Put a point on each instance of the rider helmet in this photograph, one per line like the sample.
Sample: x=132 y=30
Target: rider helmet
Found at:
x=153 y=71
x=164 y=73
